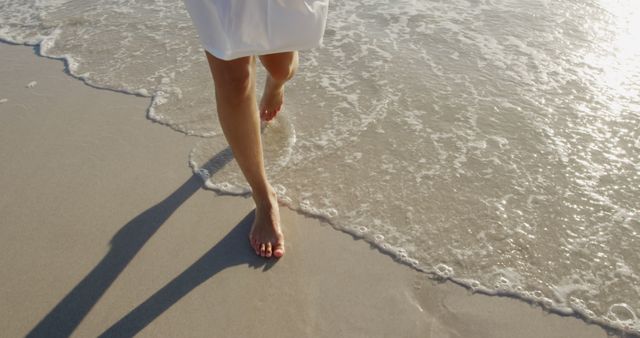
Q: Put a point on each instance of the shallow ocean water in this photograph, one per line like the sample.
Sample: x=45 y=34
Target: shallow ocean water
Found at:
x=495 y=143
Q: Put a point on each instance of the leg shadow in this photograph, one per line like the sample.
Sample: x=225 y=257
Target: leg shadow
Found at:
x=230 y=251
x=65 y=317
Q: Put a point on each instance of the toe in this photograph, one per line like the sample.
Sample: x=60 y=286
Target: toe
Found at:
x=263 y=249
x=278 y=251
x=268 y=250
x=275 y=113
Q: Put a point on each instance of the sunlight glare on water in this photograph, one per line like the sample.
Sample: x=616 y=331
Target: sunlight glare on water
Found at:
x=495 y=143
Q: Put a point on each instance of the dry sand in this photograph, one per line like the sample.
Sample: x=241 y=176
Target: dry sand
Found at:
x=104 y=231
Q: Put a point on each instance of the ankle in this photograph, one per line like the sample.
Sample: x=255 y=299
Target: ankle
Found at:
x=275 y=83
x=266 y=198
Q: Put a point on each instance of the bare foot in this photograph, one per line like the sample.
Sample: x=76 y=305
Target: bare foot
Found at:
x=265 y=236
x=272 y=99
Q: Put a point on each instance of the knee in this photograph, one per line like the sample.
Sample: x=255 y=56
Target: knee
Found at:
x=282 y=74
x=233 y=77
x=236 y=80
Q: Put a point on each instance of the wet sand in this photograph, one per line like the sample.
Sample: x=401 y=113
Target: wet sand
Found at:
x=105 y=231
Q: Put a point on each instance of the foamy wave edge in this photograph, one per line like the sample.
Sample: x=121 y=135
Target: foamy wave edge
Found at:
x=439 y=272
x=43 y=44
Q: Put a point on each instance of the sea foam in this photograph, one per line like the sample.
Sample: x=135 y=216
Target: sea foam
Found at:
x=492 y=144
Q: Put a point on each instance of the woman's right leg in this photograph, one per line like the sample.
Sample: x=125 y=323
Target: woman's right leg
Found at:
x=234 y=82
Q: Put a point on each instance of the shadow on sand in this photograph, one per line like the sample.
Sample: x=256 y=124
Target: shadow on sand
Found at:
x=232 y=250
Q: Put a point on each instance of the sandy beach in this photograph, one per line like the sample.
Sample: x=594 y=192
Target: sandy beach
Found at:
x=105 y=232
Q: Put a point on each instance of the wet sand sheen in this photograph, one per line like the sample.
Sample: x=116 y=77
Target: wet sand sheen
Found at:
x=104 y=229
x=488 y=142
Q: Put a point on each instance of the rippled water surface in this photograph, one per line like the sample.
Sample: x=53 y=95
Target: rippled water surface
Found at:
x=496 y=143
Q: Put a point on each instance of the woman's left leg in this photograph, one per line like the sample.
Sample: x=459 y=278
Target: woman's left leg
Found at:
x=280 y=68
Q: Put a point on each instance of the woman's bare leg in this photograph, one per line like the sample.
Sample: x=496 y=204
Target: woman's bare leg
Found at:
x=280 y=68
x=236 y=102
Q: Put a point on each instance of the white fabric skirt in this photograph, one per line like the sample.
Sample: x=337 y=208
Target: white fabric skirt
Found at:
x=230 y=29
